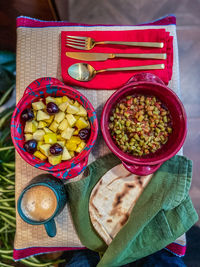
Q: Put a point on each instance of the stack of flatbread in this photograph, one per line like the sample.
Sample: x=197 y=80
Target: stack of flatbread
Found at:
x=112 y=200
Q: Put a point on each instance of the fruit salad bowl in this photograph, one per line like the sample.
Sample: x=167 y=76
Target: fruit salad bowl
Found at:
x=44 y=88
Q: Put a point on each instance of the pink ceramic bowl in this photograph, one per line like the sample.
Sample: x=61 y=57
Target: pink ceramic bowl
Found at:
x=53 y=87
x=148 y=84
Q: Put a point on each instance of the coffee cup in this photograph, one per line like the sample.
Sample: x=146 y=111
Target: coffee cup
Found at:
x=41 y=201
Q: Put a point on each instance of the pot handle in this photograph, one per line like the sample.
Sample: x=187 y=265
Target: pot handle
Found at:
x=141 y=169
x=72 y=172
x=42 y=82
x=144 y=77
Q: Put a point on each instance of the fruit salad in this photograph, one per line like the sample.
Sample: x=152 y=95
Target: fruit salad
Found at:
x=56 y=129
x=140 y=124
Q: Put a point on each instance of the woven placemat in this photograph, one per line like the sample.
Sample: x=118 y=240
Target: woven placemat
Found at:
x=38 y=55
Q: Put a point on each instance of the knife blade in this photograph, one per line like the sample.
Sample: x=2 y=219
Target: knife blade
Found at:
x=104 y=56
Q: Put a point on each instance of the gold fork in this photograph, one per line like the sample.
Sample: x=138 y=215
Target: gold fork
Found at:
x=87 y=43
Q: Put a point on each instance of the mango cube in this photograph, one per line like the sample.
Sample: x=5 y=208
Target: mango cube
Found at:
x=54 y=160
x=44 y=149
x=75 y=140
x=38 y=105
x=72 y=109
x=39 y=155
x=54 y=126
x=81 y=123
x=39 y=143
x=58 y=100
x=60 y=138
x=80 y=147
x=71 y=119
x=38 y=135
x=41 y=115
x=63 y=125
x=66 y=155
x=72 y=153
x=59 y=116
x=50 y=138
x=71 y=146
x=67 y=134
x=76 y=132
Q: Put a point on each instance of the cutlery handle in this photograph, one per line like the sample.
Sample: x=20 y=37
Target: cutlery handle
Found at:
x=148 y=56
x=145 y=67
x=147 y=44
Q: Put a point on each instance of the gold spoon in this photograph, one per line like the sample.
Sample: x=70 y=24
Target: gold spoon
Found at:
x=85 y=72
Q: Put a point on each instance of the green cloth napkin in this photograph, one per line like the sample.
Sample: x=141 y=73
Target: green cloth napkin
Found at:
x=163 y=212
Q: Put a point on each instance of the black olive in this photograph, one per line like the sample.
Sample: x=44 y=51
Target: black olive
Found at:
x=52 y=108
x=27 y=115
x=30 y=146
x=56 y=149
x=84 y=134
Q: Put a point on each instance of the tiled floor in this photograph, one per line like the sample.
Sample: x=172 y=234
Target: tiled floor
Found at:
x=188 y=30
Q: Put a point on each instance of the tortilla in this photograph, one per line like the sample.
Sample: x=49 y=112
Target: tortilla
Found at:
x=112 y=200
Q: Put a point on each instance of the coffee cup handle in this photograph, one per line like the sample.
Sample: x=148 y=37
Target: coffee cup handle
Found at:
x=141 y=169
x=50 y=227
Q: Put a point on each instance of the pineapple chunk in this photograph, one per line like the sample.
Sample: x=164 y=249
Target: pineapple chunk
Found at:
x=72 y=153
x=72 y=109
x=50 y=138
x=63 y=106
x=54 y=126
x=42 y=124
x=81 y=123
x=41 y=115
x=58 y=100
x=54 y=160
x=76 y=132
x=67 y=134
x=62 y=143
x=66 y=155
x=28 y=137
x=30 y=127
x=39 y=135
x=39 y=143
x=49 y=121
x=35 y=123
x=71 y=119
x=47 y=130
x=71 y=146
x=82 y=112
x=59 y=116
x=44 y=148
x=75 y=140
x=39 y=155
x=38 y=105
x=50 y=99
x=65 y=99
x=63 y=125
x=59 y=138
x=80 y=147
x=76 y=104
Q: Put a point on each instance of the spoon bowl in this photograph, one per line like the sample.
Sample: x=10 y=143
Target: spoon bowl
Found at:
x=85 y=72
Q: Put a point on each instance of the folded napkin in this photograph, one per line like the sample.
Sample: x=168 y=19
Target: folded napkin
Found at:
x=163 y=212
x=113 y=80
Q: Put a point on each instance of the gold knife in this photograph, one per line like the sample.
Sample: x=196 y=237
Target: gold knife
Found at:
x=105 y=56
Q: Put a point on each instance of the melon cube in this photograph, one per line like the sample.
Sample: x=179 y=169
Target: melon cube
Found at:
x=67 y=134
x=66 y=155
x=28 y=137
x=50 y=99
x=72 y=109
x=82 y=112
x=54 y=160
x=50 y=138
x=39 y=135
x=81 y=123
x=44 y=148
x=38 y=105
x=41 y=115
x=30 y=127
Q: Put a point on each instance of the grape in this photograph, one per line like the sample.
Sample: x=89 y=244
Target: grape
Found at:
x=52 y=108
x=30 y=146
x=56 y=149
x=27 y=115
x=84 y=134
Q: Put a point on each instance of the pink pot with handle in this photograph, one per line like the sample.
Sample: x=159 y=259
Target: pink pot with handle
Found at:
x=147 y=84
x=44 y=87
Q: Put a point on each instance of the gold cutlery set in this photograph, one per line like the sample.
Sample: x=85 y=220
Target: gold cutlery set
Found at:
x=85 y=72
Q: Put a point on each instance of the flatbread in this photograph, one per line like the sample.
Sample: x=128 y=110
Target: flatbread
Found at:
x=112 y=200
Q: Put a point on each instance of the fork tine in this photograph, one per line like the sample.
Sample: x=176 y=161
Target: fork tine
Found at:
x=75 y=43
x=77 y=37
x=76 y=46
